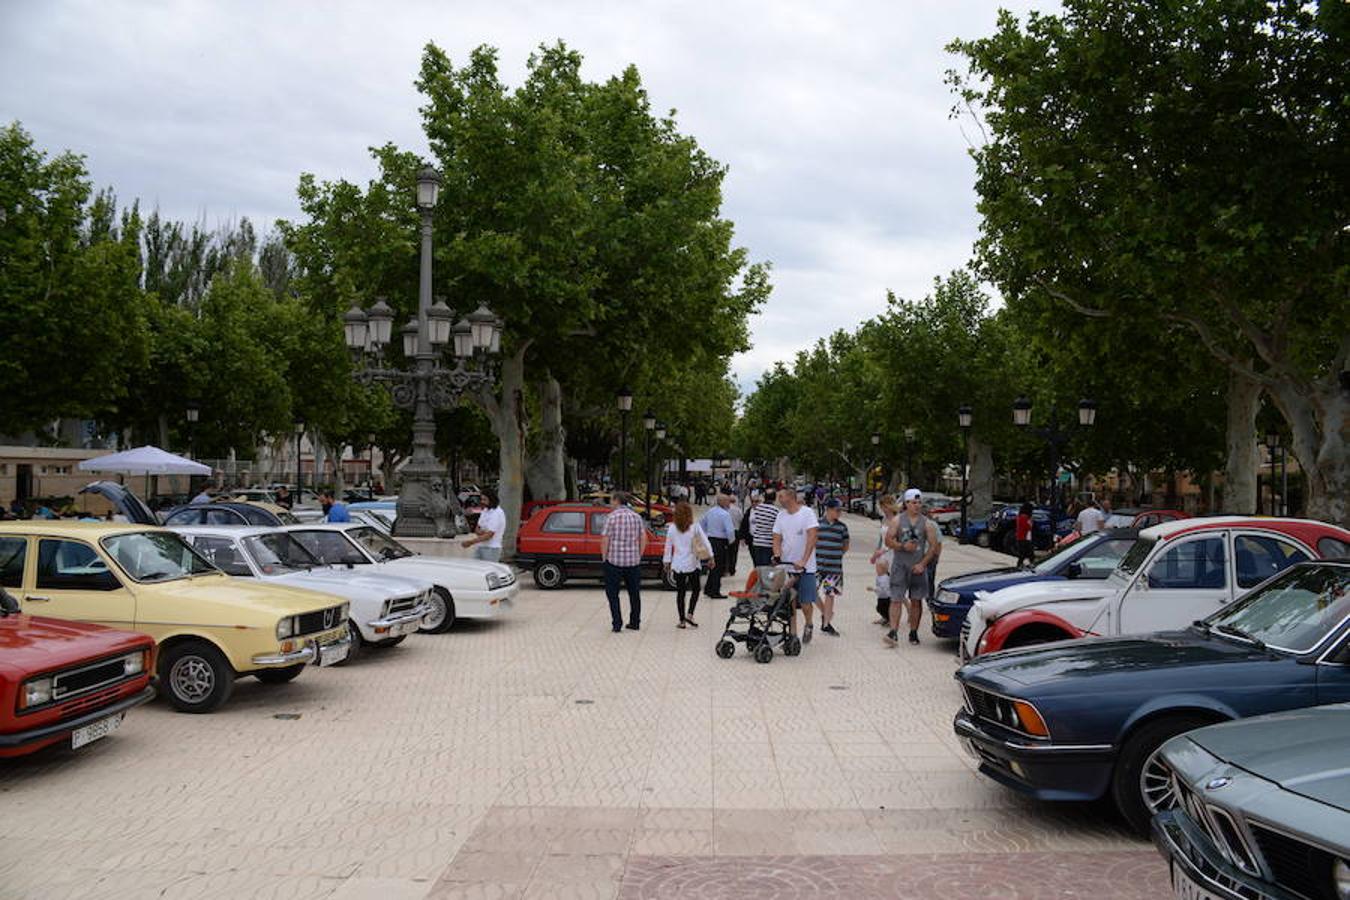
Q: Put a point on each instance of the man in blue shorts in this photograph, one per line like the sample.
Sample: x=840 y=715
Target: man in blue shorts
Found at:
x=794 y=543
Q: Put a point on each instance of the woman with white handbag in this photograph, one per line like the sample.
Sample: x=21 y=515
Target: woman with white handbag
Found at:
x=687 y=549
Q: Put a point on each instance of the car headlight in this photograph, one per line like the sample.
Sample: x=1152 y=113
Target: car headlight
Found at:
x=1340 y=876
x=286 y=628
x=949 y=597
x=133 y=663
x=37 y=692
x=495 y=581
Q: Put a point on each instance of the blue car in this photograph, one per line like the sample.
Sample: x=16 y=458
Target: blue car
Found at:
x=1085 y=719
x=1091 y=558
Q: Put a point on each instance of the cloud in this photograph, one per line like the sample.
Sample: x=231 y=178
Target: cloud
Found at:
x=845 y=169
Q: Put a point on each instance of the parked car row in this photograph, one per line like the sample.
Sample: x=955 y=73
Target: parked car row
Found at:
x=1200 y=622
x=94 y=617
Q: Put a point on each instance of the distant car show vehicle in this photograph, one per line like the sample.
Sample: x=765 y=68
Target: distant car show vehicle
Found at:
x=60 y=681
x=210 y=629
x=382 y=609
x=226 y=512
x=462 y=588
x=1260 y=808
x=1175 y=573
x=1143 y=518
x=1084 y=719
x=562 y=542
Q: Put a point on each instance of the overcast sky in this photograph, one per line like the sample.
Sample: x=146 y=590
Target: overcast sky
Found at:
x=846 y=171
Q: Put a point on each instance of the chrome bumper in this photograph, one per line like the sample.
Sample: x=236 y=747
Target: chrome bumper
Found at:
x=1190 y=854
x=416 y=614
x=304 y=655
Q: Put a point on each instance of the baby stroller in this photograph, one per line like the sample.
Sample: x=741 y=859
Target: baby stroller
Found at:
x=765 y=617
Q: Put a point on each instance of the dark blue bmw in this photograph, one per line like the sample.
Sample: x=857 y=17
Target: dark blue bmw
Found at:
x=1090 y=557
x=1083 y=719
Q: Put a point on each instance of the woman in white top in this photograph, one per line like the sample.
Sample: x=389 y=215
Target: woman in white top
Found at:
x=882 y=558
x=683 y=539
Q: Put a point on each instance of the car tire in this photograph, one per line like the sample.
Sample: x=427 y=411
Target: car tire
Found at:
x=358 y=644
x=667 y=579
x=195 y=677
x=442 y=616
x=390 y=642
x=1137 y=756
x=549 y=576
x=279 y=676
x=1008 y=542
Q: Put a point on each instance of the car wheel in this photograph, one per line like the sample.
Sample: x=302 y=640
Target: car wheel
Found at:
x=667 y=579
x=358 y=644
x=390 y=642
x=279 y=676
x=1009 y=543
x=982 y=539
x=195 y=676
x=1141 y=784
x=442 y=615
x=549 y=576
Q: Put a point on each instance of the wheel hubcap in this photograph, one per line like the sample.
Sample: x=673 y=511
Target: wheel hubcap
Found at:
x=192 y=679
x=437 y=614
x=1155 y=785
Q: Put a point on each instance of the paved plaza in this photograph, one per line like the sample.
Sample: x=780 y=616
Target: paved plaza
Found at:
x=544 y=756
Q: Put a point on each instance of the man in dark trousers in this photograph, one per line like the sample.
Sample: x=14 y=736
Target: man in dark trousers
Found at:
x=717 y=525
x=622 y=541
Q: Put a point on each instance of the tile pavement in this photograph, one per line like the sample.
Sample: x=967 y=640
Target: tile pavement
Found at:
x=543 y=756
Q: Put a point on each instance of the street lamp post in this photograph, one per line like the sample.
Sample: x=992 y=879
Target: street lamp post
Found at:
x=648 y=426
x=625 y=401
x=964 y=417
x=1273 y=444
x=660 y=433
x=876 y=446
x=909 y=456
x=430 y=385
x=192 y=413
x=299 y=475
x=1055 y=436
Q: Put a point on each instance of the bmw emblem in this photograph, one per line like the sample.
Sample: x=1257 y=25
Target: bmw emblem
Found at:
x=1215 y=783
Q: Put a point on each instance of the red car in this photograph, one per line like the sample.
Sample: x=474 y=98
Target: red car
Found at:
x=563 y=541
x=66 y=681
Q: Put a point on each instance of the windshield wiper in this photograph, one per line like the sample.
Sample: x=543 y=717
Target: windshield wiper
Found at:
x=1234 y=631
x=1201 y=625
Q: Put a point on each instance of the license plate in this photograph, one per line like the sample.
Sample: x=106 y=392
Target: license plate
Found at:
x=404 y=628
x=332 y=654
x=1186 y=888
x=95 y=730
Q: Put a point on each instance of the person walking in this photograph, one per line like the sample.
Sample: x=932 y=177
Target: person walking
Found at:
x=335 y=510
x=1022 y=536
x=794 y=543
x=831 y=545
x=913 y=542
x=881 y=559
x=487 y=539
x=734 y=545
x=622 y=541
x=685 y=543
x=762 y=516
x=717 y=526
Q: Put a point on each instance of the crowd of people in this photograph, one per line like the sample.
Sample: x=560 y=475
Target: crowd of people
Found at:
x=777 y=525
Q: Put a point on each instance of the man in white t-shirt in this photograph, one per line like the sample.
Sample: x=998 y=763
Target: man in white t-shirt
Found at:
x=487 y=540
x=1091 y=519
x=794 y=544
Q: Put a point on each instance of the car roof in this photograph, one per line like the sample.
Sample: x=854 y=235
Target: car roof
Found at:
x=1304 y=529
x=86 y=529
x=319 y=526
x=229 y=531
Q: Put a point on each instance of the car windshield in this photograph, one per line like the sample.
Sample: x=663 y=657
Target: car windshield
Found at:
x=1134 y=558
x=155 y=556
x=1052 y=562
x=279 y=552
x=1294 y=611
x=377 y=543
x=331 y=548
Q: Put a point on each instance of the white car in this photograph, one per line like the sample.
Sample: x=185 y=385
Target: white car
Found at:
x=1176 y=573
x=463 y=588
x=383 y=609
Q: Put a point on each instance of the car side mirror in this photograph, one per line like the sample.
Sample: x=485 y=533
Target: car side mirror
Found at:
x=1073 y=570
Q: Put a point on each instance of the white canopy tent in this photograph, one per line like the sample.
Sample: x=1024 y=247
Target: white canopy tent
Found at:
x=145 y=460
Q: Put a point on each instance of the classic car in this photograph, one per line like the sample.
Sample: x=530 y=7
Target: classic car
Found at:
x=1002 y=529
x=1092 y=558
x=1261 y=808
x=379 y=513
x=210 y=628
x=462 y=588
x=382 y=609
x=1083 y=719
x=124 y=501
x=64 y=681
x=1175 y=573
x=227 y=512
x=563 y=541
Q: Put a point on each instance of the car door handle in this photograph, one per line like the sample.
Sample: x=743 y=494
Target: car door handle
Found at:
x=34 y=598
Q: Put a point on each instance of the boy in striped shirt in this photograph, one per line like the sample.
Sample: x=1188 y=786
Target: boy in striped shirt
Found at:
x=831 y=545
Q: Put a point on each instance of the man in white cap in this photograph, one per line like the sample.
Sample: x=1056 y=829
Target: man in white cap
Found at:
x=914 y=541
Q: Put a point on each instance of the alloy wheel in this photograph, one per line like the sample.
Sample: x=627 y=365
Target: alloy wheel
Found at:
x=192 y=679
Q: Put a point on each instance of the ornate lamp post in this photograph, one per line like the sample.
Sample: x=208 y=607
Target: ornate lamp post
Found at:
x=965 y=418
x=192 y=414
x=1272 y=441
x=299 y=475
x=430 y=385
x=648 y=426
x=625 y=401
x=1055 y=436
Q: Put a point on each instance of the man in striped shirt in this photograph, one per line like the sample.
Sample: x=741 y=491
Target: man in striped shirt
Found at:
x=831 y=545
x=762 y=516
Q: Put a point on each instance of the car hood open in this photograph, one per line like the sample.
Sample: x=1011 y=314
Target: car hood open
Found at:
x=1304 y=750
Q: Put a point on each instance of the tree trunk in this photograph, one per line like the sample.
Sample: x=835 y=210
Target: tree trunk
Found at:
x=339 y=482
x=545 y=470
x=1239 y=477
x=570 y=478
x=505 y=412
x=981 y=481
x=1317 y=416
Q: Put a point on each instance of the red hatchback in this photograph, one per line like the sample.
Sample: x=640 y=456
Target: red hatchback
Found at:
x=66 y=681
x=563 y=541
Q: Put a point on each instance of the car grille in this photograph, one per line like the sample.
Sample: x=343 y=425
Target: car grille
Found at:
x=1220 y=827
x=319 y=620
x=403 y=604
x=90 y=702
x=86 y=678
x=1297 y=866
